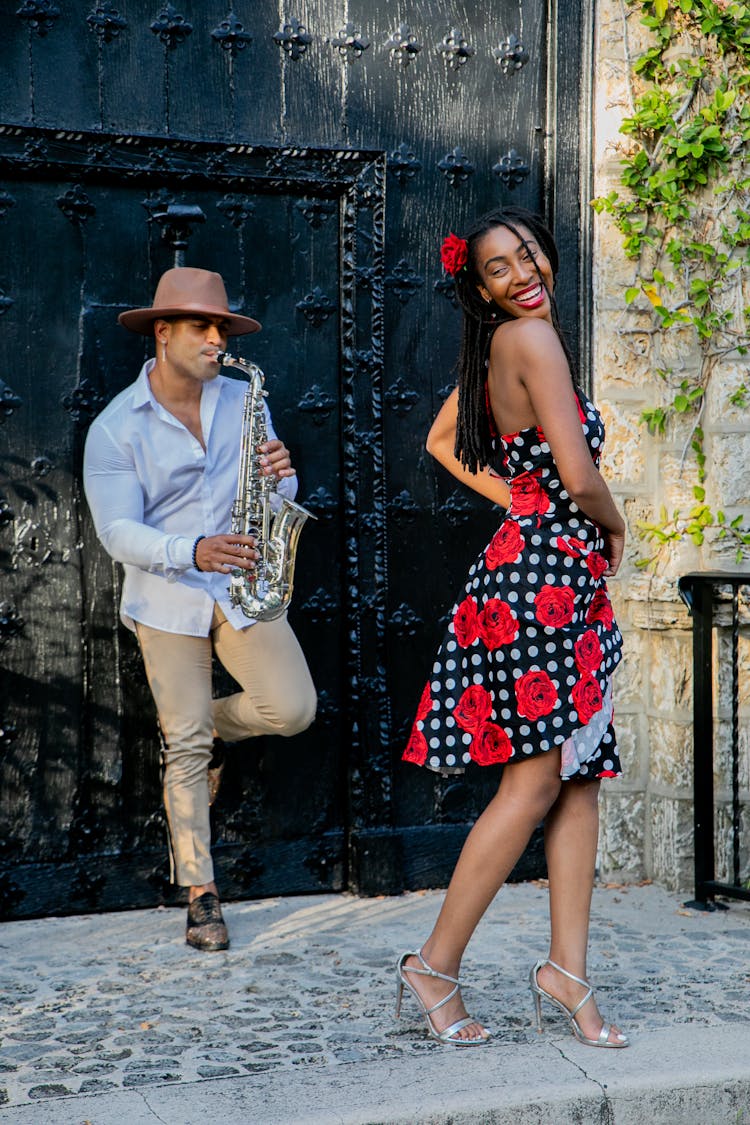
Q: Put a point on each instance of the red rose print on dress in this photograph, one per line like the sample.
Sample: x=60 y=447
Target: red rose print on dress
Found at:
x=587 y=697
x=490 y=745
x=506 y=545
x=465 y=623
x=588 y=652
x=473 y=708
x=596 y=563
x=536 y=695
x=600 y=610
x=498 y=624
x=416 y=750
x=425 y=703
x=527 y=496
x=570 y=546
x=555 y=606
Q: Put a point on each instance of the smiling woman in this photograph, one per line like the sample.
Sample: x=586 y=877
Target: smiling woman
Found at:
x=523 y=676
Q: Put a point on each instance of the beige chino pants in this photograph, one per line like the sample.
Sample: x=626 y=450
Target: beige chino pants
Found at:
x=277 y=697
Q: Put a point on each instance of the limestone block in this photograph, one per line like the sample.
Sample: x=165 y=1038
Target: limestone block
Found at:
x=672 y=848
x=622 y=833
x=730 y=468
x=671 y=753
x=676 y=481
x=727 y=378
x=723 y=671
x=724 y=759
x=671 y=674
x=629 y=677
x=624 y=458
x=724 y=861
x=632 y=742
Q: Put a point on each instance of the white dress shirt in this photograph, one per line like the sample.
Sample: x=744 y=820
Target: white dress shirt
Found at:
x=152 y=489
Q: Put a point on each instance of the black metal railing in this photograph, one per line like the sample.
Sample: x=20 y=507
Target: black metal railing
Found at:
x=701 y=592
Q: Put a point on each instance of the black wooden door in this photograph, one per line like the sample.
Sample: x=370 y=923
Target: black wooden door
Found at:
x=316 y=162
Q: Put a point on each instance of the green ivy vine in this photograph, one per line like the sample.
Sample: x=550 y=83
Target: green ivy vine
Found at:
x=684 y=215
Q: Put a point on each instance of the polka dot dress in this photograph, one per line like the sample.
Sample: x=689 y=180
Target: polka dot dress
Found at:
x=526 y=662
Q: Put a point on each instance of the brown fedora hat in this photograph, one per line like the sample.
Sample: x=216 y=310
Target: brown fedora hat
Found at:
x=186 y=291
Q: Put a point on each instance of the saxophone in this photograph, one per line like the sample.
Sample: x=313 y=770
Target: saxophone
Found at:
x=265 y=592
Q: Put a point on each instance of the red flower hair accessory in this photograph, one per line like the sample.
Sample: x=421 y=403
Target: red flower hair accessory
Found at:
x=454 y=254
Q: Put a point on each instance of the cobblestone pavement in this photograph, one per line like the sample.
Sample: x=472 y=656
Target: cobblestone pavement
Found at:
x=109 y=1002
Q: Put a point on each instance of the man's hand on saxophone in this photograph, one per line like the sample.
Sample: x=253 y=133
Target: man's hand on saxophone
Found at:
x=224 y=553
x=276 y=460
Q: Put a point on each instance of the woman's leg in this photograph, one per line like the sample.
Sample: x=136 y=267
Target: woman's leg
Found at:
x=571 y=833
x=492 y=849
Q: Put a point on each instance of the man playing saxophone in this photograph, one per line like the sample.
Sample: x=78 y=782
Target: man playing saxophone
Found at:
x=160 y=472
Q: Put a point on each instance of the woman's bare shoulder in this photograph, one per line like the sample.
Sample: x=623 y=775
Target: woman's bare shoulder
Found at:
x=526 y=338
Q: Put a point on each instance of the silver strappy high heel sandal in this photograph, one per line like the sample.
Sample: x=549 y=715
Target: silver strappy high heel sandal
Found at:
x=538 y=992
x=449 y=1034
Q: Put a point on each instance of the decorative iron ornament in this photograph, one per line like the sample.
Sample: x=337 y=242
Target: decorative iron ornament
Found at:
x=84 y=402
x=405 y=622
x=76 y=205
x=511 y=168
x=403 y=508
x=177 y=222
x=349 y=43
x=246 y=868
x=99 y=155
x=366 y=362
x=400 y=397
x=317 y=307
x=6 y=202
x=171 y=27
x=456 y=167
x=403 y=45
x=5 y=302
x=293 y=38
x=9 y=401
x=41 y=467
x=322 y=503
x=316 y=211
x=7 y=515
x=456 y=50
x=106 y=22
x=403 y=281
x=237 y=209
x=318 y=404
x=511 y=55
x=366 y=277
x=11 y=623
x=326 y=857
x=157 y=202
x=33 y=545
x=320 y=607
x=456 y=509
x=231 y=35
x=328 y=709
x=40 y=15
x=445 y=287
x=8 y=734
x=403 y=164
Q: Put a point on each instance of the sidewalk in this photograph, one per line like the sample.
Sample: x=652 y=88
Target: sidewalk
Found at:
x=112 y=1020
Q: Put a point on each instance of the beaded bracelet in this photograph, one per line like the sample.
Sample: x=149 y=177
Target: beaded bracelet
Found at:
x=195 y=549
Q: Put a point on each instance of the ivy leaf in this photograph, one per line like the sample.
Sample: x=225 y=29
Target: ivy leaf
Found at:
x=698 y=492
x=631 y=293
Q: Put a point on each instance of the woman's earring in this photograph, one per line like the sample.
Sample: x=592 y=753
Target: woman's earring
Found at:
x=164 y=351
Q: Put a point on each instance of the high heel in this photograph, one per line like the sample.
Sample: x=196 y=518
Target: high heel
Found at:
x=448 y=1035
x=538 y=992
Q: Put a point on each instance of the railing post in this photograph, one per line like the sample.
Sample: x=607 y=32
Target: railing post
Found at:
x=703 y=740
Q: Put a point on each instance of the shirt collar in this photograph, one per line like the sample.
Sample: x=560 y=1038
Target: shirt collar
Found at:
x=144 y=396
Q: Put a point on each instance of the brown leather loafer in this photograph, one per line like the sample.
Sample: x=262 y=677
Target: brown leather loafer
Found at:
x=205 y=924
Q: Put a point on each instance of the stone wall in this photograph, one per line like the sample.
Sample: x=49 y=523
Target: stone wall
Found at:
x=647 y=816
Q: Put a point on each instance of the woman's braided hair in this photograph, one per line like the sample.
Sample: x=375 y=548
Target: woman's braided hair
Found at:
x=475 y=445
